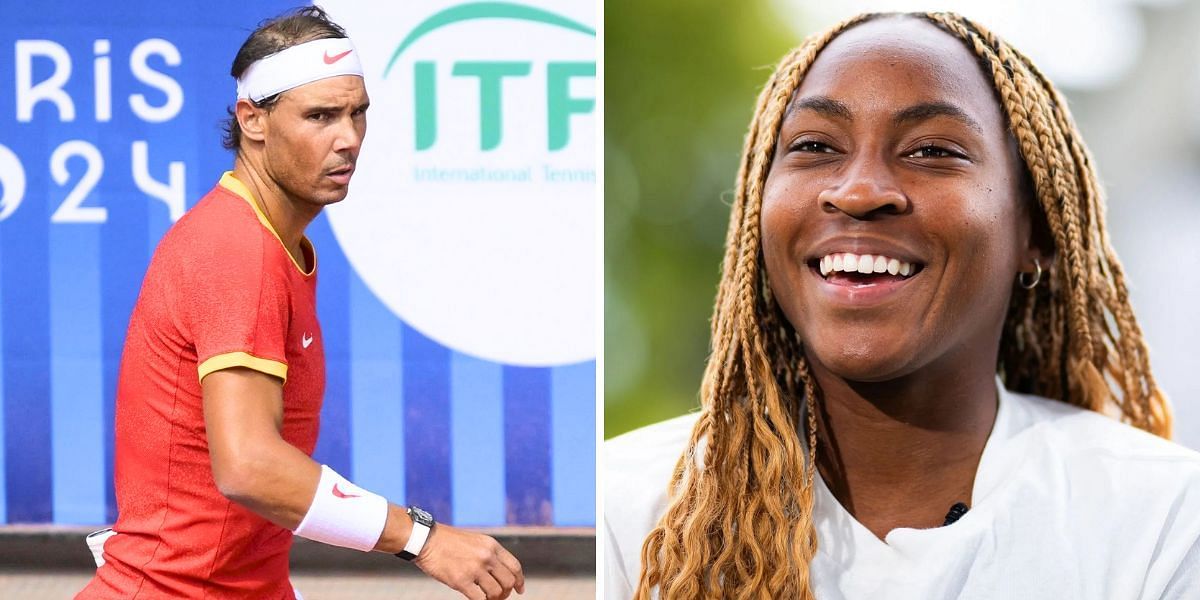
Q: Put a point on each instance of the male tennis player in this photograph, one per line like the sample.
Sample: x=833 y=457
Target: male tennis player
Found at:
x=223 y=371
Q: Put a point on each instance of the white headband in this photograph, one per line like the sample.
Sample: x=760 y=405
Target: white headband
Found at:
x=298 y=65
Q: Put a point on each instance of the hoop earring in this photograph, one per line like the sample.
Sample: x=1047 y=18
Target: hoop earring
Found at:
x=1037 y=276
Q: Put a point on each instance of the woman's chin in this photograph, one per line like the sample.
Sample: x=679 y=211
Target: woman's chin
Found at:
x=868 y=364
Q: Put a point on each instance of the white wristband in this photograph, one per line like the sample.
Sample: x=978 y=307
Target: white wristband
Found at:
x=343 y=514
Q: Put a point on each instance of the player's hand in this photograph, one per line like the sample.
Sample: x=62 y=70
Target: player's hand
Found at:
x=471 y=563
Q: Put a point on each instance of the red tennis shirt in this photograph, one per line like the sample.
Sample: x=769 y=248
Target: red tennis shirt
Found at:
x=221 y=291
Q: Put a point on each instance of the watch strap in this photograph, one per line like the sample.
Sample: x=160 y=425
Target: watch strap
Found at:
x=418 y=537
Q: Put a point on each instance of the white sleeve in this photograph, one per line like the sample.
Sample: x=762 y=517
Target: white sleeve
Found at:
x=616 y=580
x=1185 y=582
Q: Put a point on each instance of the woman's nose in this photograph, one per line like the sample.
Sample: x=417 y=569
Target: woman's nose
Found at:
x=868 y=189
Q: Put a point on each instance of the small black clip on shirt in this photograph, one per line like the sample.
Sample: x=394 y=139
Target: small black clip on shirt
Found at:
x=956 y=512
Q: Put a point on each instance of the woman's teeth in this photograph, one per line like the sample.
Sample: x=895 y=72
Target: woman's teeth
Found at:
x=847 y=262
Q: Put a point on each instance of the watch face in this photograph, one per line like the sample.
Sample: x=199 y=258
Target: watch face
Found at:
x=420 y=516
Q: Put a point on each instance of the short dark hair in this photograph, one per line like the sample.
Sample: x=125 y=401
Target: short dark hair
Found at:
x=274 y=35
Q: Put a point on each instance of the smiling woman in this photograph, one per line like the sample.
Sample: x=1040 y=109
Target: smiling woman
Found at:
x=919 y=325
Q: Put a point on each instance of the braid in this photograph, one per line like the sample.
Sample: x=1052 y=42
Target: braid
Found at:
x=739 y=523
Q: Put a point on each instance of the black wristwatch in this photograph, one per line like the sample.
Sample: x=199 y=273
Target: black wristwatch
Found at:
x=422 y=525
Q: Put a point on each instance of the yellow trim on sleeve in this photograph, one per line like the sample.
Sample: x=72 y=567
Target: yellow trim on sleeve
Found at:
x=243 y=359
x=235 y=185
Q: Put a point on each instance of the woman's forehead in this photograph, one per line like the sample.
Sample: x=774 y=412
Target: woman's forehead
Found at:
x=887 y=64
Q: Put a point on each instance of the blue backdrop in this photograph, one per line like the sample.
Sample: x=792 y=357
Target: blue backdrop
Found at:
x=102 y=157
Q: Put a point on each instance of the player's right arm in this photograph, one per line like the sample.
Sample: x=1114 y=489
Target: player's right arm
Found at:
x=254 y=466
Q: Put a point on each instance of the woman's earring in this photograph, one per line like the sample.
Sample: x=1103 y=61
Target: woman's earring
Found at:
x=1030 y=283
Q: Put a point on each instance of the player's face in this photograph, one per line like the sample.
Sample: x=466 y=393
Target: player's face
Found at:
x=313 y=135
x=895 y=146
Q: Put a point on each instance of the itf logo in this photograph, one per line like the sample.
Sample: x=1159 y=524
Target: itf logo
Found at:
x=472 y=213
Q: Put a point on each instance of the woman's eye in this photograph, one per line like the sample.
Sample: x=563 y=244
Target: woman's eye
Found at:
x=934 y=152
x=811 y=146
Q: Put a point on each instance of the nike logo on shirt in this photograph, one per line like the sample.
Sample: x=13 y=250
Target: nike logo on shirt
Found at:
x=307 y=340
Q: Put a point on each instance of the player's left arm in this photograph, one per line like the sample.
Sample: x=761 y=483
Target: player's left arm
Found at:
x=255 y=467
x=252 y=464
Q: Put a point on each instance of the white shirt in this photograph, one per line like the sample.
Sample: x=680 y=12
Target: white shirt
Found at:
x=1068 y=504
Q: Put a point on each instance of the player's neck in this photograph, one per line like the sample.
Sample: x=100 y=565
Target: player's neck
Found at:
x=288 y=216
x=890 y=451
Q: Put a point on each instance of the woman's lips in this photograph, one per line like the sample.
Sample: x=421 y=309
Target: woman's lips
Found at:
x=847 y=278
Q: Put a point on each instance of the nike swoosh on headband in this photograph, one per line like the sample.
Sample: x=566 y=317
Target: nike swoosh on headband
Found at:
x=329 y=60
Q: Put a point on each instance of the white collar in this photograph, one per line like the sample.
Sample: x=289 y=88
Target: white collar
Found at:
x=996 y=462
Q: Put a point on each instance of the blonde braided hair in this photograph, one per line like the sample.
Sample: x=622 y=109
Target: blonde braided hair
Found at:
x=739 y=523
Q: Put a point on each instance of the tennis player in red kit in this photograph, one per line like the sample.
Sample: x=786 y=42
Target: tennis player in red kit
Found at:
x=223 y=371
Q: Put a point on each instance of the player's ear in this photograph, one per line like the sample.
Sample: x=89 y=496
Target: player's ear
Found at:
x=251 y=119
x=1040 y=245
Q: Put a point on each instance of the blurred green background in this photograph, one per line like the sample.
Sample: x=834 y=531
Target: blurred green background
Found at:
x=681 y=78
